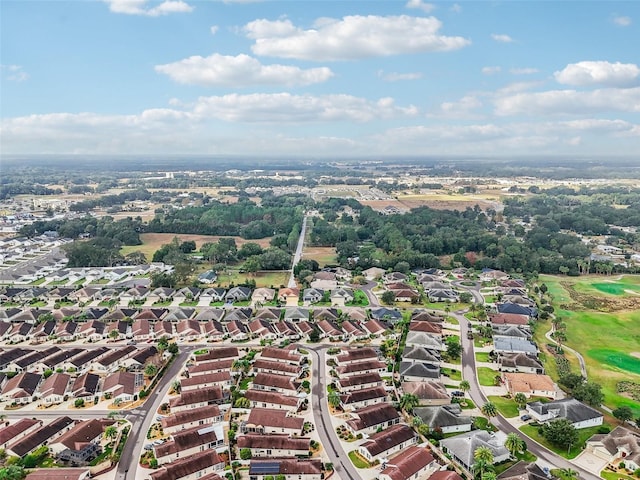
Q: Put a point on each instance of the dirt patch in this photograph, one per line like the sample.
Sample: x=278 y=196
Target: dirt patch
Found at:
x=381 y=204
x=635 y=354
x=161 y=238
x=438 y=204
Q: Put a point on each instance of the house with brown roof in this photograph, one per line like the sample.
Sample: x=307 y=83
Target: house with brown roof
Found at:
x=189 y=442
x=93 y=330
x=163 y=329
x=367 y=420
x=81 y=444
x=221 y=379
x=353 y=331
x=270 y=382
x=237 y=330
x=41 y=436
x=356 y=355
x=363 y=397
x=289 y=296
x=141 y=330
x=374 y=366
x=410 y=464
x=272 y=400
x=213 y=331
x=383 y=444
x=214 y=366
x=15 y=431
x=54 y=388
x=429 y=392
x=187 y=419
x=198 y=398
x=374 y=327
x=287 y=355
x=262 y=329
x=217 y=353
x=285 y=329
x=264 y=365
x=124 y=386
x=59 y=474
x=82 y=362
x=188 y=330
x=520 y=362
x=289 y=469
x=21 y=389
x=86 y=385
x=141 y=357
x=274 y=446
x=359 y=382
x=113 y=360
x=508 y=319
x=269 y=421
x=196 y=466
x=530 y=384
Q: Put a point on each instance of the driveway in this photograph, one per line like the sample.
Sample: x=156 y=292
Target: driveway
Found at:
x=590 y=462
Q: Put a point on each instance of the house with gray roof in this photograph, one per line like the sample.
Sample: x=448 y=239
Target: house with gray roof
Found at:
x=418 y=371
x=579 y=414
x=446 y=418
x=424 y=339
x=503 y=344
x=462 y=447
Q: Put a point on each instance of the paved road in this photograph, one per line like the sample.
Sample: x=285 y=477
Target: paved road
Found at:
x=476 y=394
x=583 y=366
x=322 y=418
x=473 y=290
x=298 y=254
x=142 y=418
x=368 y=291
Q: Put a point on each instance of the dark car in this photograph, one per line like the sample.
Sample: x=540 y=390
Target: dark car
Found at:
x=525 y=418
x=457 y=393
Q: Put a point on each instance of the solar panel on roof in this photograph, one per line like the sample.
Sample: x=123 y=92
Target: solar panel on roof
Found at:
x=265 y=468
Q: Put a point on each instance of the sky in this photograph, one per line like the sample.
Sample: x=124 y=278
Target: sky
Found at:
x=320 y=78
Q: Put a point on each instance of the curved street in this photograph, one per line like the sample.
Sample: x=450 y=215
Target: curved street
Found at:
x=478 y=397
x=343 y=467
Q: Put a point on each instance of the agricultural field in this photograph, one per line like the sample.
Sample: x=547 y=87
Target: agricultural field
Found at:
x=153 y=241
x=447 y=201
x=602 y=315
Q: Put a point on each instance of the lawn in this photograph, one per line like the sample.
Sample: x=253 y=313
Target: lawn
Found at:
x=451 y=373
x=486 y=376
x=506 y=406
x=583 y=435
x=482 y=357
x=609 y=475
x=357 y=460
x=323 y=255
x=263 y=278
x=611 y=354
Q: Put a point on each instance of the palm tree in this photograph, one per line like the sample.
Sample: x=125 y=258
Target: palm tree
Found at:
x=489 y=476
x=408 y=402
x=568 y=473
x=465 y=386
x=521 y=399
x=483 y=457
x=334 y=399
x=110 y=432
x=416 y=421
x=513 y=443
x=489 y=409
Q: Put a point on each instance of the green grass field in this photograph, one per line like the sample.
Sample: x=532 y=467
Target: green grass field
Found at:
x=482 y=357
x=583 y=435
x=606 y=339
x=486 y=376
x=506 y=406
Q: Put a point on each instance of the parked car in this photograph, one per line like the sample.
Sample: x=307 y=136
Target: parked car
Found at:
x=457 y=393
x=525 y=418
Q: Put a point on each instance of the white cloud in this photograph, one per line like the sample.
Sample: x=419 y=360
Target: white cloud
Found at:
x=516 y=87
x=421 y=5
x=621 y=20
x=463 y=108
x=395 y=76
x=351 y=37
x=284 y=107
x=523 y=71
x=456 y=8
x=239 y=71
x=491 y=70
x=142 y=7
x=570 y=102
x=214 y=29
x=599 y=73
x=501 y=37
x=14 y=73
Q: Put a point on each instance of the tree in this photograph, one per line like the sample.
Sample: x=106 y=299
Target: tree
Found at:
x=489 y=476
x=150 y=370
x=110 y=432
x=242 y=402
x=113 y=334
x=465 y=386
x=453 y=347
x=489 y=409
x=521 y=399
x=78 y=403
x=12 y=472
x=245 y=453
x=571 y=380
x=624 y=413
x=176 y=386
x=408 y=402
x=590 y=393
x=514 y=443
x=568 y=473
x=560 y=432
x=334 y=399
x=483 y=457
x=252 y=264
x=466 y=297
x=388 y=297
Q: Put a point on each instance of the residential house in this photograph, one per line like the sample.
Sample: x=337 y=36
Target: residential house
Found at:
x=43 y=435
x=359 y=368
x=619 y=445
x=382 y=445
x=163 y=329
x=208 y=277
x=262 y=329
x=429 y=392
x=222 y=379
x=212 y=295
x=92 y=330
x=188 y=419
x=15 y=431
x=445 y=418
x=530 y=384
x=410 y=464
x=271 y=314
x=288 y=469
x=141 y=330
x=200 y=465
x=579 y=414
x=43 y=331
x=462 y=447
x=341 y=296
x=329 y=330
x=213 y=331
x=179 y=314
x=286 y=330
x=312 y=295
x=86 y=385
x=265 y=365
x=273 y=400
x=54 y=388
x=123 y=386
x=59 y=474
x=219 y=353
x=263 y=295
x=113 y=360
x=212 y=366
x=356 y=355
x=373 y=273
x=238 y=315
x=374 y=327
x=202 y=397
x=427 y=340
x=237 y=330
x=275 y=446
x=508 y=319
x=353 y=332
x=269 y=382
x=296 y=314
x=188 y=330
x=238 y=294
x=81 y=444
x=419 y=371
x=387 y=315
x=139 y=359
x=271 y=421
x=369 y=419
x=210 y=313
x=152 y=314
x=358 y=382
x=520 y=362
x=21 y=389
x=421 y=354
x=20 y=332
x=289 y=296
x=82 y=362
x=187 y=294
x=502 y=344
x=189 y=442
x=363 y=397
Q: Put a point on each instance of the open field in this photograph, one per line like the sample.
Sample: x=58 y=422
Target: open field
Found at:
x=153 y=241
x=602 y=329
x=323 y=255
x=446 y=201
x=263 y=279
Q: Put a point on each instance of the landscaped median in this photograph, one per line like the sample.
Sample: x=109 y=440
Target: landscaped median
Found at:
x=357 y=460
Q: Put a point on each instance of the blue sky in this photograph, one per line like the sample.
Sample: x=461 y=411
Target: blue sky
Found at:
x=320 y=78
